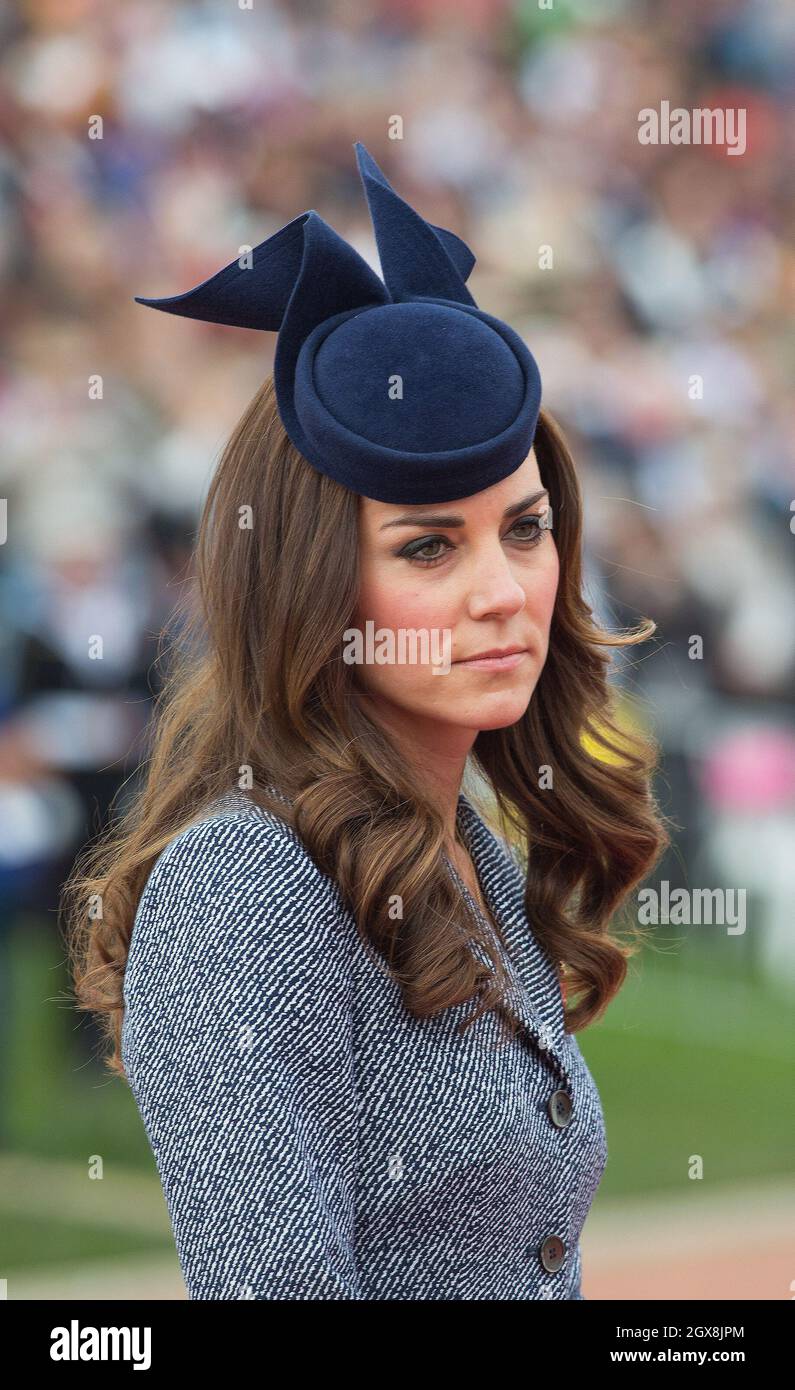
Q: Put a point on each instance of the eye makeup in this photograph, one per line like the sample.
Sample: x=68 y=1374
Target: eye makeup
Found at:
x=538 y=522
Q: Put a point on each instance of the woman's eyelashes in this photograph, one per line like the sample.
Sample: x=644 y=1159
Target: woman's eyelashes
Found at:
x=413 y=551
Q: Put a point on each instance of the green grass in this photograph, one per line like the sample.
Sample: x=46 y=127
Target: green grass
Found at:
x=58 y=1101
x=690 y=1062
x=29 y=1243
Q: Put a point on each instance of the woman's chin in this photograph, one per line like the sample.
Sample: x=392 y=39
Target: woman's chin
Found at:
x=495 y=711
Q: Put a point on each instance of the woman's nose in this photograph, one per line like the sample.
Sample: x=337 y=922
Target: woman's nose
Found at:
x=493 y=586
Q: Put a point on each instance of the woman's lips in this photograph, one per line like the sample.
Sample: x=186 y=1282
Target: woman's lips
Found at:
x=494 y=663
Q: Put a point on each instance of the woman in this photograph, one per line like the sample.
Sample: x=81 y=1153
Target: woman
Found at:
x=335 y=991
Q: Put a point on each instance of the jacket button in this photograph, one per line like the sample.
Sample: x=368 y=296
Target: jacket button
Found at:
x=560 y=1108
x=553 y=1253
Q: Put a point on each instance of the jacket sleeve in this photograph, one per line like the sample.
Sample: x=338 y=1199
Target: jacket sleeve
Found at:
x=238 y=1046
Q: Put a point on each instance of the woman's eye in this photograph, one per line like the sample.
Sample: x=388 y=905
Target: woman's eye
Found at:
x=535 y=524
x=417 y=550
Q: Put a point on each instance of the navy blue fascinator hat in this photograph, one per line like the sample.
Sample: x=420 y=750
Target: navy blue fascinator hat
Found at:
x=400 y=388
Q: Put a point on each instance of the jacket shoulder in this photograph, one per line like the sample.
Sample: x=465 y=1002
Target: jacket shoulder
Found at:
x=236 y=900
x=234 y=847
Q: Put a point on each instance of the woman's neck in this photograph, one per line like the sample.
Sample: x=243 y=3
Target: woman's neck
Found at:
x=438 y=753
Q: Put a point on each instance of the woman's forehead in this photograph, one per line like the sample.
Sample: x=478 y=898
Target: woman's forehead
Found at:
x=526 y=479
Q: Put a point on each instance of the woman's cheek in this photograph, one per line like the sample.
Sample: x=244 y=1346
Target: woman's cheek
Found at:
x=542 y=591
x=412 y=607
x=399 y=609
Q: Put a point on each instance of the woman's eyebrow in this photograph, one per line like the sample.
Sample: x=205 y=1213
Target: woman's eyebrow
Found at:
x=447 y=522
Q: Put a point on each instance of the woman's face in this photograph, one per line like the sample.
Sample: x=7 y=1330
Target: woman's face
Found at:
x=474 y=575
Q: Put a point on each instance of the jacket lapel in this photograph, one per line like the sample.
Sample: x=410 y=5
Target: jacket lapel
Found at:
x=535 y=997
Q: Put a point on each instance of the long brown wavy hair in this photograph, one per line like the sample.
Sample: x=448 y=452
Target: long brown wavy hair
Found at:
x=257 y=695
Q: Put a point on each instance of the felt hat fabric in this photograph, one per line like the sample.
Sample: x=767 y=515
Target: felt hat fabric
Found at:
x=399 y=387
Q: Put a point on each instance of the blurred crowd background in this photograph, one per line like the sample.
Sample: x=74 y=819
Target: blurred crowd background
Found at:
x=671 y=264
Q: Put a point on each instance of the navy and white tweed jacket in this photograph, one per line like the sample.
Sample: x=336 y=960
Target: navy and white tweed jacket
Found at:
x=313 y=1139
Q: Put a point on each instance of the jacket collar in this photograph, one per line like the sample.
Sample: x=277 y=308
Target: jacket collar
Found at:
x=535 y=997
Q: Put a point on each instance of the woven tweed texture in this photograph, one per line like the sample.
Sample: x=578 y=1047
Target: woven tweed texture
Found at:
x=312 y=1138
